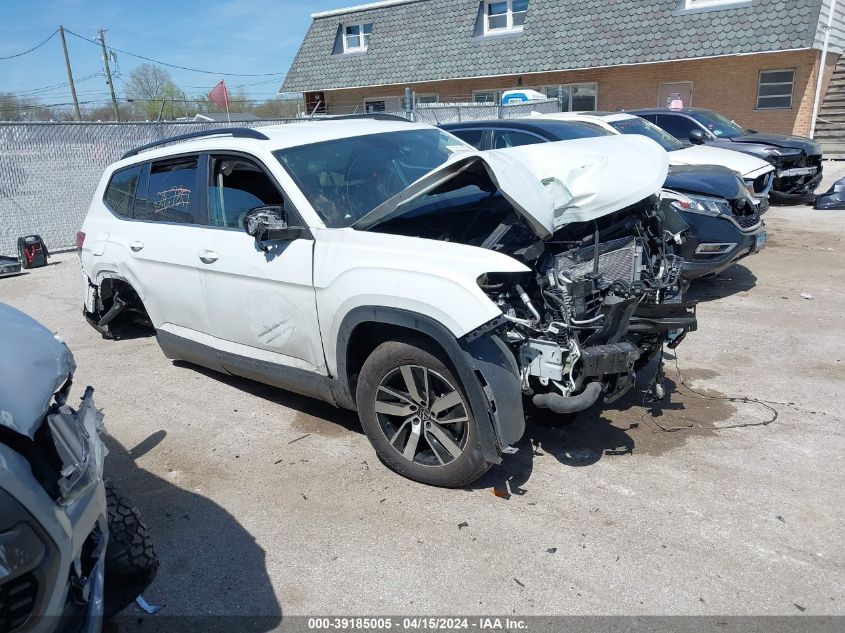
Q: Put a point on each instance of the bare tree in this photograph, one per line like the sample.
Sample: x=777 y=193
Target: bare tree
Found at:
x=152 y=91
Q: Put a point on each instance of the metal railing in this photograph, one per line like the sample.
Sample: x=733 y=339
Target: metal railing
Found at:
x=49 y=171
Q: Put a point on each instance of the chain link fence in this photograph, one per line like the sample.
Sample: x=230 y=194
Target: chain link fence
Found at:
x=49 y=171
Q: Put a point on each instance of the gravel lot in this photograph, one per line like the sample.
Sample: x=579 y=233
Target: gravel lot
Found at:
x=263 y=502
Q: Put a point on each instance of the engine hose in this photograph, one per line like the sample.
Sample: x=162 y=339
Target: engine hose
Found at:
x=561 y=404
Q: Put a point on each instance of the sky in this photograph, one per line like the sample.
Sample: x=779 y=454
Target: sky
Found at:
x=231 y=36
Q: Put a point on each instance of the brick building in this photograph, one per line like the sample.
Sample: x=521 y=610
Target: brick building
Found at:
x=756 y=61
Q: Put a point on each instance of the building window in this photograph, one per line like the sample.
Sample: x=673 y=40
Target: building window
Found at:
x=382 y=104
x=427 y=97
x=487 y=96
x=774 y=91
x=576 y=97
x=504 y=16
x=356 y=37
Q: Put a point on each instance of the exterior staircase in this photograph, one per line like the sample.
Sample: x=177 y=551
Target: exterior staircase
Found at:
x=830 y=126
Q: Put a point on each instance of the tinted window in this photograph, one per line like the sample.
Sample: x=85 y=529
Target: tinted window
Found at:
x=636 y=125
x=237 y=185
x=678 y=126
x=473 y=137
x=347 y=178
x=171 y=193
x=121 y=191
x=514 y=138
x=718 y=124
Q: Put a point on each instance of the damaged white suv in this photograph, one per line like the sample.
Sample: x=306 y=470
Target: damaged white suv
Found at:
x=389 y=268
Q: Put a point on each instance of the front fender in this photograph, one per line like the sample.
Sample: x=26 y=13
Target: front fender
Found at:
x=439 y=279
x=485 y=366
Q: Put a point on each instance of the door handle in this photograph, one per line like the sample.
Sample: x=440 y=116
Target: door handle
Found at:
x=136 y=246
x=208 y=257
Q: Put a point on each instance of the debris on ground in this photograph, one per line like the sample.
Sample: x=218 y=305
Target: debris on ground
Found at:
x=300 y=438
x=799 y=607
x=516 y=580
x=807 y=296
x=781 y=519
x=461 y=526
x=551 y=550
x=148 y=608
x=502 y=494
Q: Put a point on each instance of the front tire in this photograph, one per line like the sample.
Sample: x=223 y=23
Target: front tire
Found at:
x=131 y=561
x=417 y=417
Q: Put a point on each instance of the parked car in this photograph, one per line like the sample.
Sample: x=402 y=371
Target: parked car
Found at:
x=757 y=173
x=798 y=160
x=722 y=220
x=390 y=268
x=72 y=550
x=725 y=223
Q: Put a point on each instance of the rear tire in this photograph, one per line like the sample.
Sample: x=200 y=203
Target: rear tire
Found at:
x=131 y=561
x=417 y=417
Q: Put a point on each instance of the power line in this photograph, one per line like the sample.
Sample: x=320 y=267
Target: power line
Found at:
x=52 y=35
x=161 y=63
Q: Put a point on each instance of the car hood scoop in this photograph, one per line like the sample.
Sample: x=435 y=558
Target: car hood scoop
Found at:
x=551 y=184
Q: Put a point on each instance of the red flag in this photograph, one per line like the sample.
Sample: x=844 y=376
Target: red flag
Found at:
x=219 y=95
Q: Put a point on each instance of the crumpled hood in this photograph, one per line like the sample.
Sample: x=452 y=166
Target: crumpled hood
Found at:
x=744 y=164
x=34 y=365
x=781 y=140
x=707 y=180
x=552 y=184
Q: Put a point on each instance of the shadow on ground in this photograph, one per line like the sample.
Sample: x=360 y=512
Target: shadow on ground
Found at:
x=732 y=281
x=209 y=563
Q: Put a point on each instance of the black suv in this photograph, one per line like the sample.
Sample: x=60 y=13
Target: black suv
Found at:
x=798 y=159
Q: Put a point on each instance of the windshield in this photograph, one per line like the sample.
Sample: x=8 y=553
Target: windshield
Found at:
x=644 y=128
x=718 y=124
x=347 y=178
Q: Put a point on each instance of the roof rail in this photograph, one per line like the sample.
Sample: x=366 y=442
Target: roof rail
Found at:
x=235 y=132
x=376 y=116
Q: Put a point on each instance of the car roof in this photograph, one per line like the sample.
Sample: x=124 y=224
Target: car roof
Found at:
x=536 y=124
x=280 y=136
x=666 y=110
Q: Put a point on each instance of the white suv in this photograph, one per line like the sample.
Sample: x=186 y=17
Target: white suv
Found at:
x=389 y=268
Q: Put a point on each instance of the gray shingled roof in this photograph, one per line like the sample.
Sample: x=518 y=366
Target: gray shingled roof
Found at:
x=433 y=39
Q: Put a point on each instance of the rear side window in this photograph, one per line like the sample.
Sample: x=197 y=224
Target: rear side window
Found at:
x=171 y=193
x=513 y=138
x=121 y=191
x=473 y=137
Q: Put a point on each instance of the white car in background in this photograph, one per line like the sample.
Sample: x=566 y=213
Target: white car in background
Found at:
x=758 y=174
x=389 y=268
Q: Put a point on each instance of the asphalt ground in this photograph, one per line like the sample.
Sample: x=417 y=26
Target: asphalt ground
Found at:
x=264 y=503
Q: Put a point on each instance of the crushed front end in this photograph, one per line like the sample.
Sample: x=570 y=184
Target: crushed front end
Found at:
x=53 y=515
x=569 y=324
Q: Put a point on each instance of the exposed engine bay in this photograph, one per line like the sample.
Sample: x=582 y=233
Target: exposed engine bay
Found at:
x=596 y=304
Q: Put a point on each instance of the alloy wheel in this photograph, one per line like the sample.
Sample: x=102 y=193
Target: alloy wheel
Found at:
x=423 y=416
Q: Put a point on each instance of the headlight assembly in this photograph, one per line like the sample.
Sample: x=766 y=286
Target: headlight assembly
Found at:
x=703 y=205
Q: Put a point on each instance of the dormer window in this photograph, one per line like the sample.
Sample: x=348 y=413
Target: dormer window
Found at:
x=356 y=37
x=711 y=5
x=504 y=16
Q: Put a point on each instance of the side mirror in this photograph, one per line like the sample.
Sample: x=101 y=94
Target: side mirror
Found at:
x=269 y=224
x=696 y=137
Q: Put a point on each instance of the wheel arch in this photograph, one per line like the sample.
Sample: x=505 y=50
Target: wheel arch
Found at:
x=486 y=368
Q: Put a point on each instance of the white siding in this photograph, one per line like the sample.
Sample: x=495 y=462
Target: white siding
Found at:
x=837 y=34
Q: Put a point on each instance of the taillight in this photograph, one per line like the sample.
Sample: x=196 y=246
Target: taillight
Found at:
x=80 y=240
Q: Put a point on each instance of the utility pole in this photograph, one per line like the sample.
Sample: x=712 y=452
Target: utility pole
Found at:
x=109 y=81
x=70 y=75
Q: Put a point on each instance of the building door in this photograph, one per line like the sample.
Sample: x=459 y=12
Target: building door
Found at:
x=670 y=93
x=383 y=104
